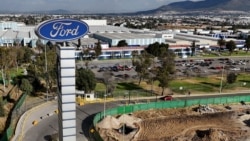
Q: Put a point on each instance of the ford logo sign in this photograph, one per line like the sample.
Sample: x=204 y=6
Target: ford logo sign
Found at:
x=61 y=30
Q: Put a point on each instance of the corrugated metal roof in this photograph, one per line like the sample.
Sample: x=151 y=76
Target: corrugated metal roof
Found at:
x=21 y=34
x=33 y=34
x=86 y=41
x=107 y=28
x=125 y=35
x=2 y=33
x=9 y=34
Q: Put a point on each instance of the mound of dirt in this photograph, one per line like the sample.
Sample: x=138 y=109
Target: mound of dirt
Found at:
x=109 y=122
x=183 y=125
x=214 y=135
x=129 y=121
x=2 y=123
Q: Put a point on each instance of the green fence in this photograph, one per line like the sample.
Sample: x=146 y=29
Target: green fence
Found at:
x=170 y=104
x=10 y=130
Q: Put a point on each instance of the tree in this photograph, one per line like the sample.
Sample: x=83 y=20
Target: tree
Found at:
x=195 y=31
x=85 y=80
x=155 y=48
x=230 y=45
x=231 y=78
x=86 y=54
x=165 y=73
x=26 y=86
x=46 y=71
x=134 y=55
x=106 y=80
x=18 y=56
x=51 y=75
x=247 y=44
x=98 y=49
x=122 y=43
x=39 y=46
x=27 y=55
x=193 y=46
x=142 y=65
x=221 y=42
x=6 y=62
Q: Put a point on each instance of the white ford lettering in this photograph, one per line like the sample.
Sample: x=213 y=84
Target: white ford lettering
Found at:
x=60 y=30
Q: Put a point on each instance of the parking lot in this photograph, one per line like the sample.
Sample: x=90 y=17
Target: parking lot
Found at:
x=123 y=69
x=118 y=70
x=194 y=67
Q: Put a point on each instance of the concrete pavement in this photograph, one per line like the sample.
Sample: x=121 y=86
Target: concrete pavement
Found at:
x=32 y=117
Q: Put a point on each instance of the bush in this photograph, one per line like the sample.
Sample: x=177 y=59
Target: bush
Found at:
x=231 y=78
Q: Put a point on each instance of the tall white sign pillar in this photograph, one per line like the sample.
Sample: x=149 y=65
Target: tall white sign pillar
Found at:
x=62 y=30
x=66 y=93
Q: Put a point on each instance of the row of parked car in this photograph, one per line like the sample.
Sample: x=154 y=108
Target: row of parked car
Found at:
x=116 y=68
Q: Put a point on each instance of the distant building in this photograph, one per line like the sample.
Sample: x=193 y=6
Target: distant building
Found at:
x=96 y=22
x=6 y=25
x=114 y=53
x=132 y=39
x=181 y=50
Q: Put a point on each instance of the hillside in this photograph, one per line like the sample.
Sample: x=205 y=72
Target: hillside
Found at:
x=206 y=5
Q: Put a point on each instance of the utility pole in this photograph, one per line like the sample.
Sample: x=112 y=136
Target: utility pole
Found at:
x=46 y=72
x=221 y=79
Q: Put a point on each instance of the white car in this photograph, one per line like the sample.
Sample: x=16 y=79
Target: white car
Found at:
x=235 y=69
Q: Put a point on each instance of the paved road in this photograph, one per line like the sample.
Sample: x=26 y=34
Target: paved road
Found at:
x=26 y=121
x=84 y=119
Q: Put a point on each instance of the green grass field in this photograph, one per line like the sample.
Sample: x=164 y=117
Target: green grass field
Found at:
x=197 y=85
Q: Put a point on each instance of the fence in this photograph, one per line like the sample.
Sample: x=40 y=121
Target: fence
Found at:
x=10 y=130
x=169 y=104
x=17 y=111
x=125 y=93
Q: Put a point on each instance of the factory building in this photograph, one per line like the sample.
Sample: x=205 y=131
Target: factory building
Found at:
x=14 y=33
x=132 y=39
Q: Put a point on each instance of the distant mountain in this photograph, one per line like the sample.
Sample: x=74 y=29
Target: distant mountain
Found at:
x=59 y=11
x=176 y=7
x=206 y=5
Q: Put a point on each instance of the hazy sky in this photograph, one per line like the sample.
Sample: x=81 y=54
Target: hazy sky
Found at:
x=83 y=5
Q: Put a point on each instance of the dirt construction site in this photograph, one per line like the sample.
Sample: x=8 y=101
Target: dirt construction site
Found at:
x=197 y=123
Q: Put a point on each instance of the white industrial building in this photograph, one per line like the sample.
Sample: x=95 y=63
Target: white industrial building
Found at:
x=132 y=39
x=15 y=33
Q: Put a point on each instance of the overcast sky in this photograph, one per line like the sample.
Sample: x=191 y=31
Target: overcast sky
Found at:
x=83 y=5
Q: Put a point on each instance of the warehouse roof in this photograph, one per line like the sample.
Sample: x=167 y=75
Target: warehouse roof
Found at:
x=125 y=35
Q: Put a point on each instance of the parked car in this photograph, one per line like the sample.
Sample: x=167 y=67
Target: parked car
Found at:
x=122 y=75
x=167 y=98
x=235 y=69
x=115 y=68
x=128 y=68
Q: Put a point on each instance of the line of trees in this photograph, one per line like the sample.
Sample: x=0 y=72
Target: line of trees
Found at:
x=12 y=58
x=231 y=45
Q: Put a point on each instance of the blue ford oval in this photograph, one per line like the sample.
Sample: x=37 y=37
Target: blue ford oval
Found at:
x=61 y=30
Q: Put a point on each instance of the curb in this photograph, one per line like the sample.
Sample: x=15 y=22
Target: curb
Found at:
x=22 y=122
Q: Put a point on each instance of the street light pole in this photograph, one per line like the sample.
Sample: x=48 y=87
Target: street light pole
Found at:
x=104 y=110
x=221 y=79
x=46 y=72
